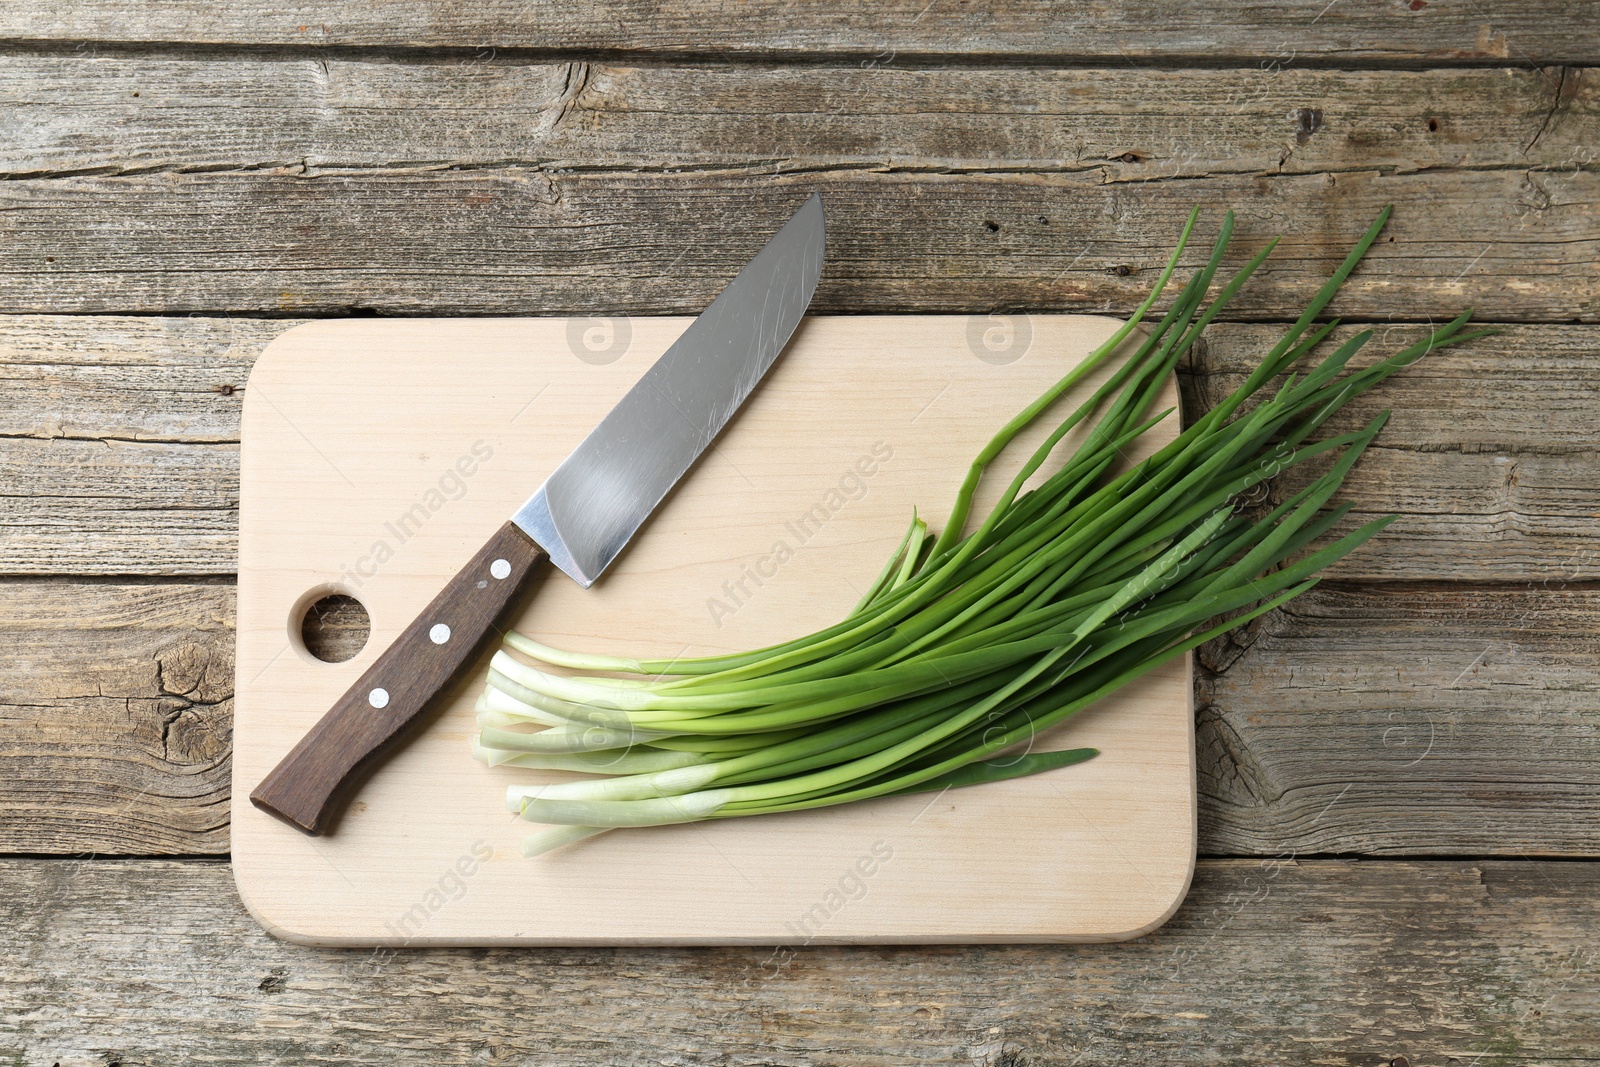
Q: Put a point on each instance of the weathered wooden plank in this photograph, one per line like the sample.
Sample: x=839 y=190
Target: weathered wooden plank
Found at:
x=116 y=710
x=141 y=112
x=130 y=379
x=1526 y=390
x=1490 y=454
x=119 y=442
x=122 y=458
x=75 y=506
x=1396 y=31
x=1406 y=719
x=1388 y=719
x=1515 y=245
x=1338 y=963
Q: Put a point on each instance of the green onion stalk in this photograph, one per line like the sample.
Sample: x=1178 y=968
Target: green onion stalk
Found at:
x=1087 y=573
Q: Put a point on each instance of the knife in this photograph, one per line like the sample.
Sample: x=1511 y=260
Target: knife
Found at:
x=579 y=519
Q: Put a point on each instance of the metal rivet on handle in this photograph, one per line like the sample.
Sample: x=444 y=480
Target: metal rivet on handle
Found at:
x=500 y=569
x=378 y=698
x=439 y=634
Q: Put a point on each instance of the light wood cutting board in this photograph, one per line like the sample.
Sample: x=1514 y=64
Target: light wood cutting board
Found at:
x=378 y=455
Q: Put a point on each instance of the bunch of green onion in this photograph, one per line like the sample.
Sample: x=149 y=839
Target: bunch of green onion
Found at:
x=966 y=648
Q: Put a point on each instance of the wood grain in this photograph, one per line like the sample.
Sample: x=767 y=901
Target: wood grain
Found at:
x=116 y=717
x=1444 y=31
x=335 y=628
x=119 y=442
x=125 y=456
x=137 y=380
x=1350 y=964
x=135 y=113
x=101 y=507
x=1399 y=719
x=1515 y=244
x=808 y=489
x=1489 y=457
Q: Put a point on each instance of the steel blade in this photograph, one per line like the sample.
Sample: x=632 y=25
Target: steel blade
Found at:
x=590 y=506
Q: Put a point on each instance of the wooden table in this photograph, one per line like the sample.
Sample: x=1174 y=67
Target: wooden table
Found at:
x=1399 y=772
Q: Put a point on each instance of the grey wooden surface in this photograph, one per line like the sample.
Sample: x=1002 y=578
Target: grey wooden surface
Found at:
x=1400 y=772
x=1272 y=962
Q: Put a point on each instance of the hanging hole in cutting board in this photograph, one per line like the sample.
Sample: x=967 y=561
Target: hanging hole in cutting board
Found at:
x=333 y=627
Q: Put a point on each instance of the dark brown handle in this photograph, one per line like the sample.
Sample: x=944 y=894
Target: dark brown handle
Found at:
x=307 y=788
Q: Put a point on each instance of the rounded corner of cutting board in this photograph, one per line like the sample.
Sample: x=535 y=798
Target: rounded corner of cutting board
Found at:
x=295 y=336
x=243 y=881
x=285 y=357
x=1160 y=916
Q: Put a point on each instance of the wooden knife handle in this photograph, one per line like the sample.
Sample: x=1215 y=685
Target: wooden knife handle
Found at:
x=307 y=788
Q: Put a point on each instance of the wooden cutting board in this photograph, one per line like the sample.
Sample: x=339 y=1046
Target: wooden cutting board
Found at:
x=378 y=455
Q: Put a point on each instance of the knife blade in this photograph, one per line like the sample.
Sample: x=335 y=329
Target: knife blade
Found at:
x=579 y=519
